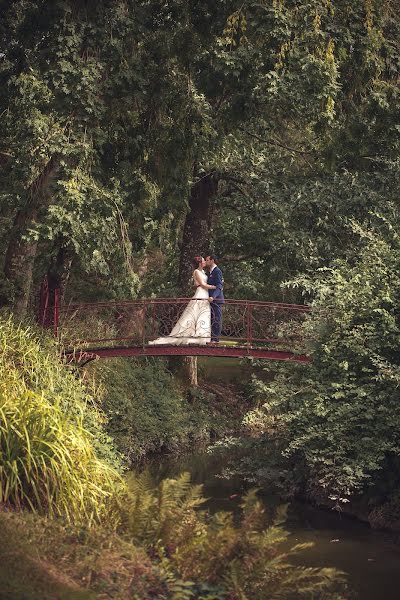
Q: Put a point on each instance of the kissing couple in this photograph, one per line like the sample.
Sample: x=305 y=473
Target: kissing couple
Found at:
x=201 y=321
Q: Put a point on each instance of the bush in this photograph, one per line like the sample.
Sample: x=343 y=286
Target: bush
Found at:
x=339 y=417
x=167 y=548
x=143 y=542
x=207 y=556
x=147 y=411
x=48 y=459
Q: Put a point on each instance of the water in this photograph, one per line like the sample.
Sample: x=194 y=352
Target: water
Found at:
x=370 y=558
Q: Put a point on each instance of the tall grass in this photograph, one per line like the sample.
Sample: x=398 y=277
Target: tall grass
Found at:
x=47 y=456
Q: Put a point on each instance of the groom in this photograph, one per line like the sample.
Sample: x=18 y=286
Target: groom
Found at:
x=216 y=297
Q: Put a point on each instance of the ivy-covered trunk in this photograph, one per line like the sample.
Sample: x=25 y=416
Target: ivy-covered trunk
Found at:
x=196 y=237
x=22 y=248
x=19 y=260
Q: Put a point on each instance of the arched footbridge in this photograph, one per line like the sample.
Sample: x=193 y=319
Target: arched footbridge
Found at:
x=260 y=330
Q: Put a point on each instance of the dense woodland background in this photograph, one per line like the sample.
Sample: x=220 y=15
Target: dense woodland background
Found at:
x=134 y=135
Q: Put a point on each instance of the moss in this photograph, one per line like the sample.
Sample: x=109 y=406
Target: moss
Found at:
x=24 y=572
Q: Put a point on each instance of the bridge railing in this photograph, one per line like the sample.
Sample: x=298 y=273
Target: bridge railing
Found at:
x=139 y=322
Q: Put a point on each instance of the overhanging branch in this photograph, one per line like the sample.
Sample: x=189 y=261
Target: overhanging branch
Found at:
x=275 y=143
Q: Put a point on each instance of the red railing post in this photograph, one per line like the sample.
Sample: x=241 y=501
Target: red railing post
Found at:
x=152 y=319
x=144 y=322
x=256 y=326
x=249 y=332
x=56 y=311
x=43 y=302
x=251 y=324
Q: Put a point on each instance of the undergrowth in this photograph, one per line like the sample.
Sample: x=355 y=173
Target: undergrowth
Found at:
x=148 y=411
x=97 y=535
x=166 y=548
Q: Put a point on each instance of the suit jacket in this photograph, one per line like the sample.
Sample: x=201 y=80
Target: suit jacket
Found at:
x=216 y=278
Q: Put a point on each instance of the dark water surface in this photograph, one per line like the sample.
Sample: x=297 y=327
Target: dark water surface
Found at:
x=370 y=558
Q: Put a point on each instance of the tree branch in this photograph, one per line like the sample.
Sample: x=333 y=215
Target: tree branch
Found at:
x=240 y=257
x=275 y=143
x=226 y=177
x=203 y=177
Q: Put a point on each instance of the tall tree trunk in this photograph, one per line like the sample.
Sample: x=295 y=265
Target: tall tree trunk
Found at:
x=21 y=251
x=196 y=240
x=196 y=236
x=59 y=269
x=19 y=261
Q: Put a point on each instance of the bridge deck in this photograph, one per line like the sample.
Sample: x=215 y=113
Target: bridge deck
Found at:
x=163 y=350
x=252 y=328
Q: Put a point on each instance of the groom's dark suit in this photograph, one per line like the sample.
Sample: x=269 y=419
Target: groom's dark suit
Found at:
x=215 y=278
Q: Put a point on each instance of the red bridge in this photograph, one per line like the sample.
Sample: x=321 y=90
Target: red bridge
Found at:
x=262 y=330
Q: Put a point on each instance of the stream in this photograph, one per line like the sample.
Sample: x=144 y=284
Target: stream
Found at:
x=371 y=559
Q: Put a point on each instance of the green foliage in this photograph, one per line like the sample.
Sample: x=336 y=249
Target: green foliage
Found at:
x=35 y=356
x=48 y=459
x=339 y=416
x=208 y=557
x=303 y=223
x=48 y=464
x=293 y=108
x=148 y=411
x=322 y=148
x=283 y=102
x=74 y=95
x=47 y=558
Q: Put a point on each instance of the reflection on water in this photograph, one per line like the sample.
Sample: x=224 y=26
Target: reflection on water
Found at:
x=370 y=558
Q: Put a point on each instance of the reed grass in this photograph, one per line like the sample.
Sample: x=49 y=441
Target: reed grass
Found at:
x=47 y=456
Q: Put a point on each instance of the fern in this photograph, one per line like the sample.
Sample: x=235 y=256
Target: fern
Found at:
x=209 y=557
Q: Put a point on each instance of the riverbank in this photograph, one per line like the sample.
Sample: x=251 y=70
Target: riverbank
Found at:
x=152 y=415
x=150 y=412
x=72 y=527
x=48 y=559
x=95 y=532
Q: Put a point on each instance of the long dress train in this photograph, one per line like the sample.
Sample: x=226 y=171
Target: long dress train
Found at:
x=194 y=325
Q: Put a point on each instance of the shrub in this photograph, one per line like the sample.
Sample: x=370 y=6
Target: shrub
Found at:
x=36 y=357
x=339 y=417
x=47 y=457
x=146 y=410
x=210 y=556
x=167 y=549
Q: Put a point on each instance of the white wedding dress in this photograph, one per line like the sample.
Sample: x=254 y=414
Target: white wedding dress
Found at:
x=194 y=325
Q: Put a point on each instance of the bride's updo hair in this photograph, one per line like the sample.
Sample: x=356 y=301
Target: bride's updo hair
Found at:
x=196 y=260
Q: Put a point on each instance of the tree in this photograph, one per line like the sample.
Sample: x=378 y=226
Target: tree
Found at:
x=254 y=129
x=339 y=416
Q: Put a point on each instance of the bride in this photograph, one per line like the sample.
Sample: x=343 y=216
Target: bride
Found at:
x=194 y=325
